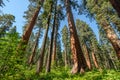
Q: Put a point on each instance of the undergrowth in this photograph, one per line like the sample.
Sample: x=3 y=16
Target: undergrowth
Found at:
x=62 y=74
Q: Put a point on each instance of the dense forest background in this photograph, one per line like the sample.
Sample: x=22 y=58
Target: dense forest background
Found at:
x=49 y=50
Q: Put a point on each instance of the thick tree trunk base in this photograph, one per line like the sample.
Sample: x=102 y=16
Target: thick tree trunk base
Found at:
x=74 y=70
x=82 y=71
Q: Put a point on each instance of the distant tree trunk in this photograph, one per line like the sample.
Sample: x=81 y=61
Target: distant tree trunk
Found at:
x=41 y=56
x=27 y=33
x=46 y=56
x=110 y=61
x=30 y=61
x=78 y=57
x=116 y=5
x=95 y=60
x=87 y=57
x=66 y=60
x=54 y=46
x=48 y=67
x=111 y=35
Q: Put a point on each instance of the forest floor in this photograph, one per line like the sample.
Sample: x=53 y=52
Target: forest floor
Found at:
x=64 y=74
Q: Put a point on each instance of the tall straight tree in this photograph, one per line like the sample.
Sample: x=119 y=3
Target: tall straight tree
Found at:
x=48 y=67
x=29 y=28
x=78 y=57
x=41 y=56
x=65 y=40
x=59 y=16
x=54 y=45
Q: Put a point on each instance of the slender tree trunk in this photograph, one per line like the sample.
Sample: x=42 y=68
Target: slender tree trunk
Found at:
x=116 y=5
x=48 y=67
x=78 y=57
x=54 y=46
x=66 y=60
x=27 y=33
x=110 y=61
x=113 y=63
x=30 y=61
x=111 y=35
x=95 y=60
x=87 y=57
x=46 y=56
x=54 y=42
x=54 y=52
x=41 y=56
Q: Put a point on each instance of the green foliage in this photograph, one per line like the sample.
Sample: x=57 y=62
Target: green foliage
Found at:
x=6 y=21
x=62 y=74
x=8 y=59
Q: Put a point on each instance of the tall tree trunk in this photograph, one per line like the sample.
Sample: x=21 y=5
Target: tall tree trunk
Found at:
x=78 y=57
x=48 y=67
x=30 y=26
x=54 y=46
x=41 y=56
x=66 y=60
x=110 y=62
x=111 y=35
x=95 y=60
x=116 y=5
x=46 y=56
x=87 y=57
x=30 y=61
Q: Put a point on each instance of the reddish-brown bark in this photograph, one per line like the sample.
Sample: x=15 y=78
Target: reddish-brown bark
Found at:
x=95 y=60
x=54 y=47
x=78 y=57
x=54 y=43
x=30 y=26
x=87 y=57
x=112 y=36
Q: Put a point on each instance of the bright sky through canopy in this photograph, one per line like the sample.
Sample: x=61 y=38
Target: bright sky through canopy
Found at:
x=17 y=8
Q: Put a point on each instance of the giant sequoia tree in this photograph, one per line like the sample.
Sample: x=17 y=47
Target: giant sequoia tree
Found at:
x=78 y=57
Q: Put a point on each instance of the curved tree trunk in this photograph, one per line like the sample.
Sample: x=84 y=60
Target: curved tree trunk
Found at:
x=111 y=35
x=78 y=57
